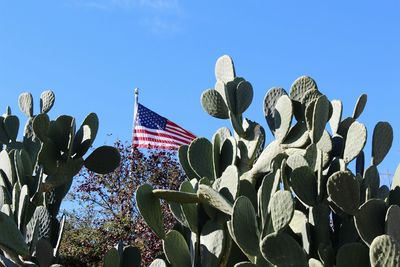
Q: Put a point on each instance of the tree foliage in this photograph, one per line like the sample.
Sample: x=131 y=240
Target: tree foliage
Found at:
x=107 y=211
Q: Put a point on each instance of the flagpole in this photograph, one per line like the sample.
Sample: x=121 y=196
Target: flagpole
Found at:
x=135 y=110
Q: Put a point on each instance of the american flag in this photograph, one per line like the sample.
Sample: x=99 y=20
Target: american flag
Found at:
x=154 y=131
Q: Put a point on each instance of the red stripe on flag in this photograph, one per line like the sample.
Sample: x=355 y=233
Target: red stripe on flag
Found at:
x=184 y=141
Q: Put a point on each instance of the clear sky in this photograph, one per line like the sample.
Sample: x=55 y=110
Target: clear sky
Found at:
x=92 y=53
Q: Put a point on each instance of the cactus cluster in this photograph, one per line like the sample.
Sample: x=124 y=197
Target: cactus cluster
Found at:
x=35 y=176
x=293 y=202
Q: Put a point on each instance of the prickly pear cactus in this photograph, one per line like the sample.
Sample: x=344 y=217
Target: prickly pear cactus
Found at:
x=292 y=202
x=35 y=176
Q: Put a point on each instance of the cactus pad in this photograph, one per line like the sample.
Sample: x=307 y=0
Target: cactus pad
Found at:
x=244 y=224
x=344 y=190
x=213 y=241
x=352 y=254
x=214 y=104
x=384 y=251
x=283 y=117
x=176 y=249
x=47 y=99
x=273 y=245
x=300 y=86
x=360 y=105
x=392 y=222
x=381 y=141
x=270 y=100
x=224 y=69
x=370 y=220
x=25 y=102
x=200 y=154
x=355 y=141
x=336 y=115
x=150 y=208
x=281 y=207
x=304 y=184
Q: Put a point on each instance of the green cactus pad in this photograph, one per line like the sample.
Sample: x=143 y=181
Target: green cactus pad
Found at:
x=270 y=100
x=44 y=253
x=176 y=196
x=297 y=137
x=314 y=263
x=10 y=236
x=352 y=254
x=382 y=139
x=47 y=99
x=3 y=133
x=344 y=126
x=7 y=167
x=304 y=184
x=190 y=210
x=25 y=102
x=102 y=160
x=183 y=160
x=299 y=225
x=85 y=136
x=281 y=207
x=40 y=125
x=264 y=195
x=344 y=190
x=360 y=105
x=176 y=250
x=214 y=104
x=263 y=164
x=300 y=86
x=150 y=208
x=228 y=154
x=355 y=141
x=250 y=147
x=11 y=125
x=131 y=257
x=230 y=94
x=371 y=181
x=158 y=263
x=200 y=155
x=213 y=241
x=320 y=117
x=395 y=180
x=336 y=117
x=228 y=184
x=370 y=220
x=213 y=198
x=309 y=97
x=384 y=251
x=244 y=224
x=224 y=69
x=112 y=259
x=392 y=222
x=283 y=117
x=274 y=244
x=244 y=96
x=295 y=161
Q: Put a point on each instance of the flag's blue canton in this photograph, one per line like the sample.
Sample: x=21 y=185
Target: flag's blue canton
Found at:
x=150 y=119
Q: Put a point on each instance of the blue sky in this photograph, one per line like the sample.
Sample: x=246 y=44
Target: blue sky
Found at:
x=93 y=53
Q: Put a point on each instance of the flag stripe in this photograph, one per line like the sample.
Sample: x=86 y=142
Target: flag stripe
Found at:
x=146 y=137
x=156 y=140
x=165 y=147
x=146 y=132
x=170 y=124
x=154 y=131
x=179 y=135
